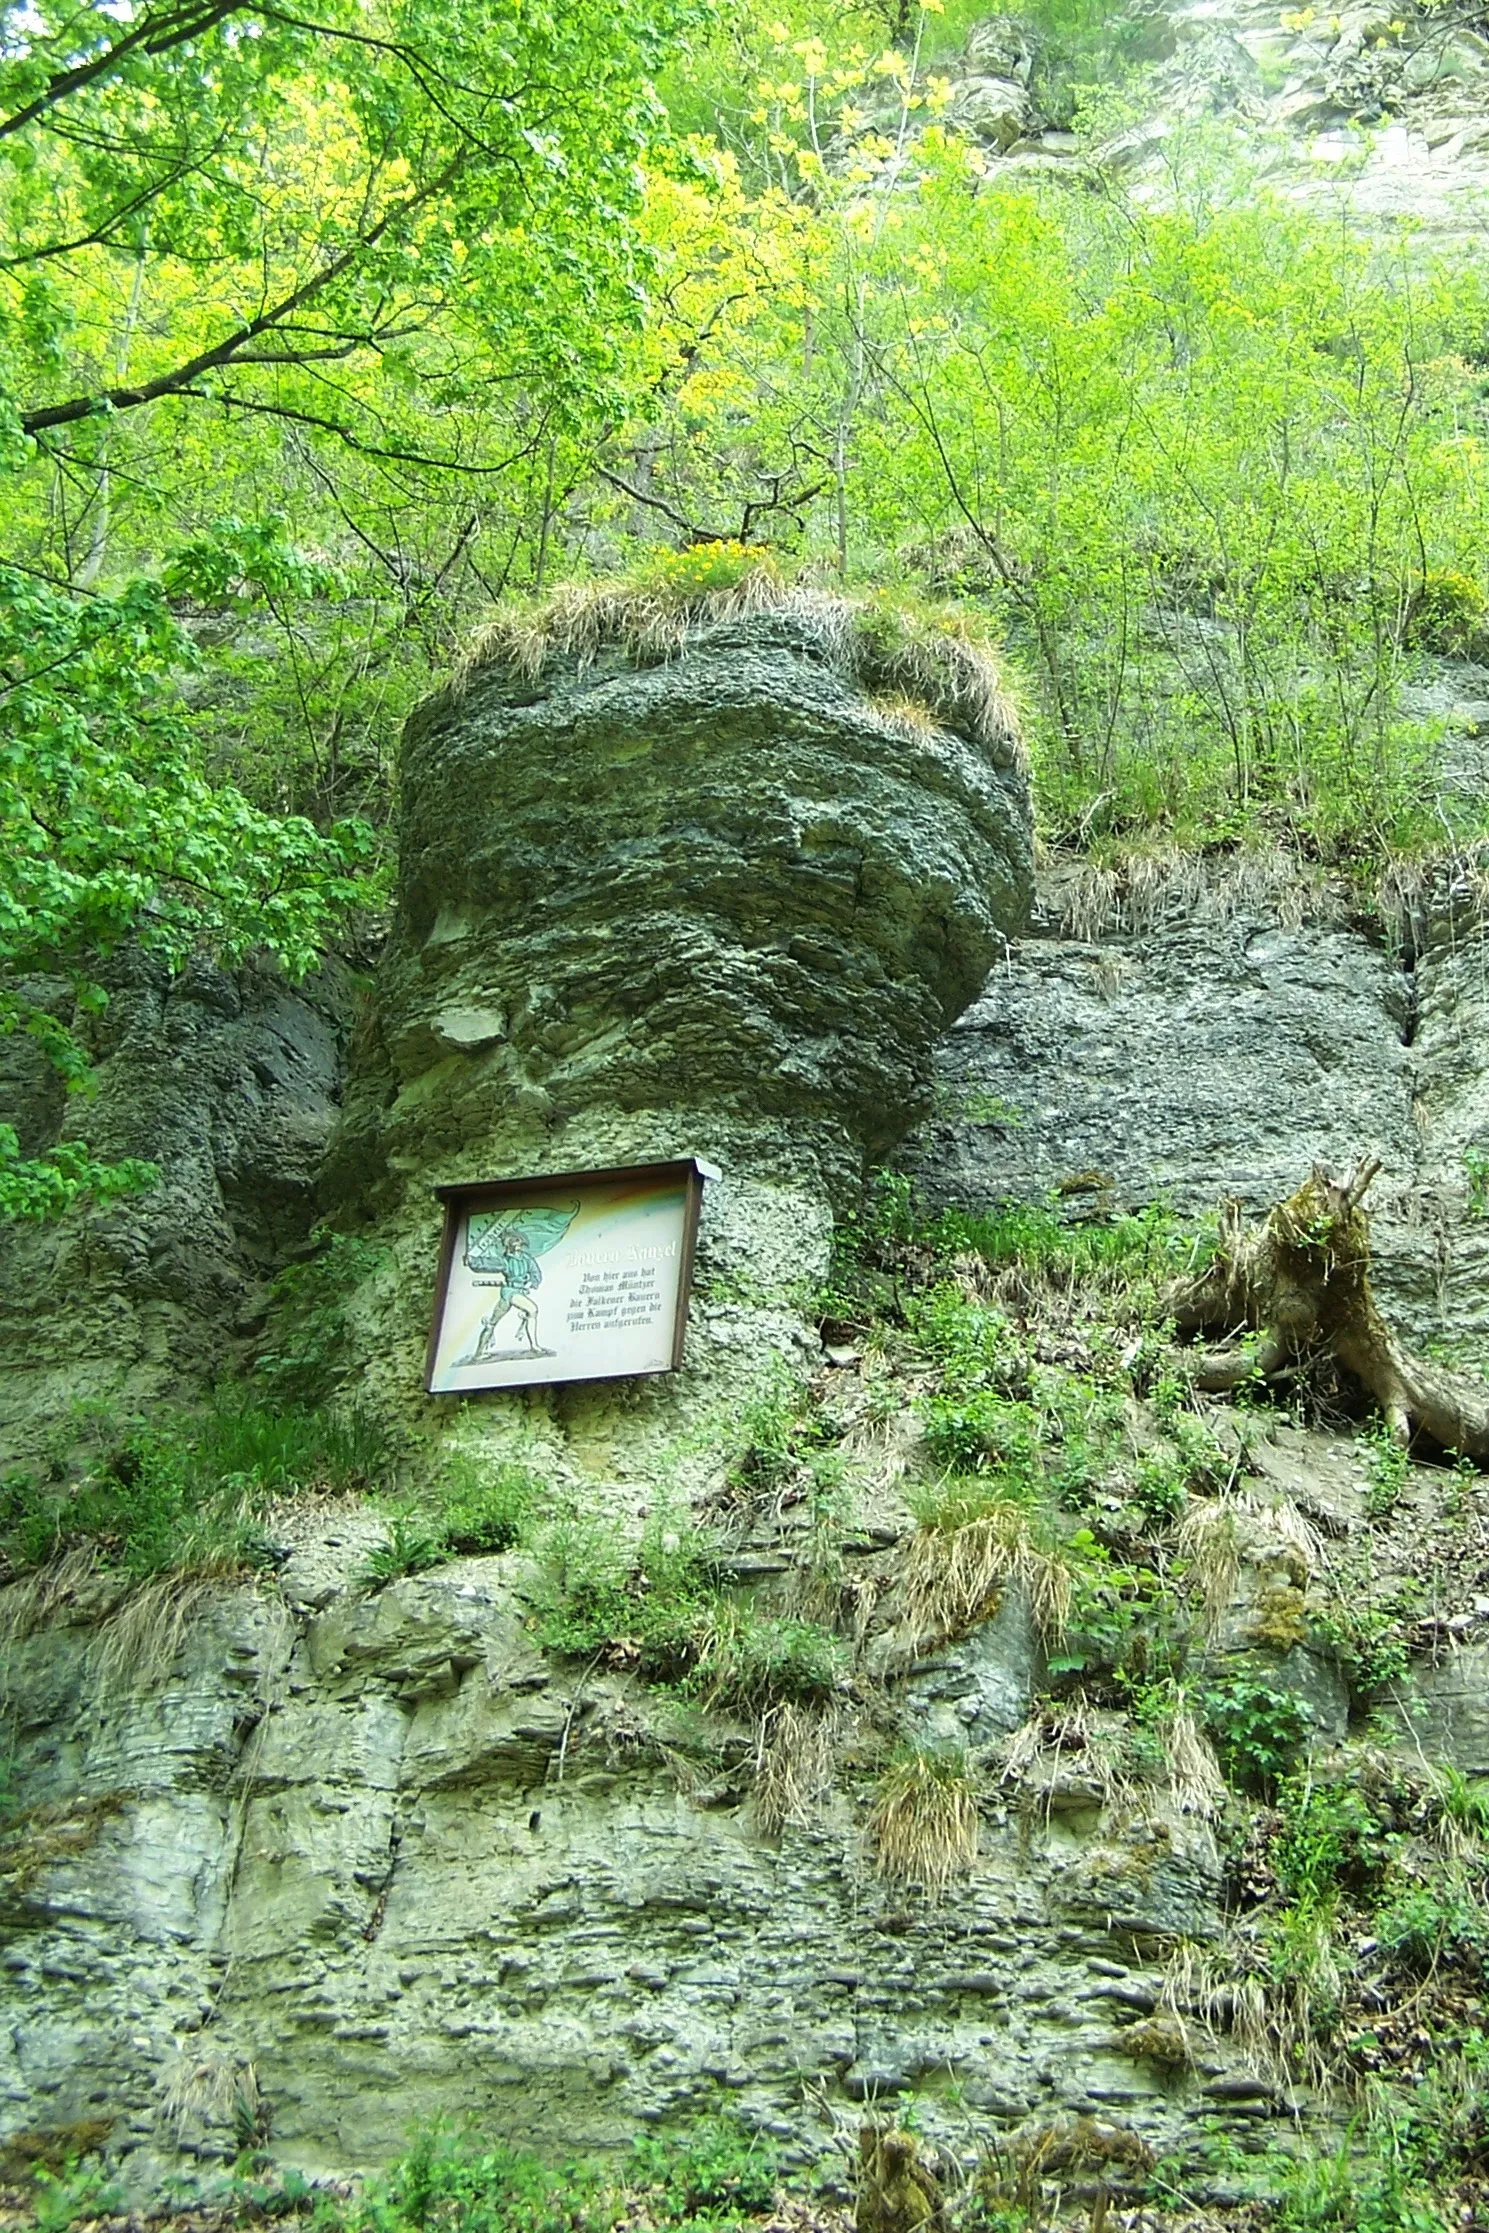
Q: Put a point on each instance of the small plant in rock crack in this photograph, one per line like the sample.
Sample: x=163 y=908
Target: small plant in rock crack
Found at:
x=412 y=1547
x=1369 y=1639
x=484 y=1510
x=61 y=2199
x=1476 y=1171
x=1387 y=1467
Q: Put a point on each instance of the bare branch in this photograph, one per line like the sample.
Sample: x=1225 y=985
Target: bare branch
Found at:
x=234 y=345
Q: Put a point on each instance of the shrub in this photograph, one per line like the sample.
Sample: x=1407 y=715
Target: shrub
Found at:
x=984 y=1433
x=1330 y=1840
x=1258 y=1732
x=643 y=1607
x=1426 y=1924
x=1120 y=1620
x=703 y=568
x=715 y=2165
x=1446 y=613
x=1355 y=2190
x=1161 y=1489
x=1036 y=1237
x=463 y=2186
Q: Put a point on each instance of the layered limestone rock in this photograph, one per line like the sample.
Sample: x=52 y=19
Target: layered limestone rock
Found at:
x=711 y=889
x=1217 y=1046
x=363 y=1859
x=228 y=1082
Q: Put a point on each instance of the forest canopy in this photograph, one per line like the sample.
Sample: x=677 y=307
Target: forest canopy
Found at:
x=322 y=328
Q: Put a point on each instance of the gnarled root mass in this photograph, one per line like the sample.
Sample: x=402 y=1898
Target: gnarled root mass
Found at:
x=1298 y=1284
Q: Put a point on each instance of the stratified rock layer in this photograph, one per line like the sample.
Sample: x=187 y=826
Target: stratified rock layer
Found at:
x=724 y=903
x=378 y=1851
x=226 y=1081
x=730 y=880
x=1217 y=1051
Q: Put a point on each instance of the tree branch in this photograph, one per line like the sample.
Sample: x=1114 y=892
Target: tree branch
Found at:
x=397 y=453
x=231 y=348
x=155 y=33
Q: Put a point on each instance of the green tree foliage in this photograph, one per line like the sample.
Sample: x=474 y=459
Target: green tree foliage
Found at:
x=1213 y=465
x=329 y=327
x=236 y=241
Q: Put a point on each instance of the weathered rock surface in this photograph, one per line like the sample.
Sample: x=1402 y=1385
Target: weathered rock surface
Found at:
x=1214 y=1053
x=377 y=1849
x=229 y=1083
x=722 y=903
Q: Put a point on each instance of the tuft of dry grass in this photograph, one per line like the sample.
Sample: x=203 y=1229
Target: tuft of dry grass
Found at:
x=1129 y=897
x=795 y=1751
x=139 y=1644
x=1195 y=1782
x=648 y=619
x=1274 y=2019
x=1071 y=1740
x=924 y=668
x=1220 y=1535
x=963 y=1559
x=35 y=1600
x=1209 y=1543
x=213 y=2089
x=924 y=1821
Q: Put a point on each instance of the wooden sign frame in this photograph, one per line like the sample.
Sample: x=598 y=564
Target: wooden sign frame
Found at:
x=547 y=1195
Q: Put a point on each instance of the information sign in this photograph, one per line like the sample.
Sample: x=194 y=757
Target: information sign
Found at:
x=578 y=1275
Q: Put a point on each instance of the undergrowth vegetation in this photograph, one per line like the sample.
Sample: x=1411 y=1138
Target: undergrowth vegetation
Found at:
x=155 y=1495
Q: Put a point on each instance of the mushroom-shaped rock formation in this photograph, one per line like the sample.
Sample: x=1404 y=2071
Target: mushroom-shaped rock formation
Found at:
x=701 y=874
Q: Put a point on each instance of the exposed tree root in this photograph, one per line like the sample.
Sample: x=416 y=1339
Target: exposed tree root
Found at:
x=1298 y=1283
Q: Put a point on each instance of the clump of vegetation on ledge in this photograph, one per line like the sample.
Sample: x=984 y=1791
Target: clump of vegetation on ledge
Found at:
x=180 y=1491
x=922 y=663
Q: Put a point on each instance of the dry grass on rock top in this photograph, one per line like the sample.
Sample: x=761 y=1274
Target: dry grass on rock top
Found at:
x=921 y=664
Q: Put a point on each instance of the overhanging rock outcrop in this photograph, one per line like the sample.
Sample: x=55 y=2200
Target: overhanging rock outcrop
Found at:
x=681 y=879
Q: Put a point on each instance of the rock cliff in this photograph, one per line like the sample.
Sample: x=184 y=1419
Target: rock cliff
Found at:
x=334 y=1858
x=715 y=891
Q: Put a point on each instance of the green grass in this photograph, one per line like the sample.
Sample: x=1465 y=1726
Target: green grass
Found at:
x=711 y=2174
x=659 y=1608
x=186 y=1488
x=1151 y=1243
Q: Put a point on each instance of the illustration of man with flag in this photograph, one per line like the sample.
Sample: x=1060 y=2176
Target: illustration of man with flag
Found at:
x=507 y=1244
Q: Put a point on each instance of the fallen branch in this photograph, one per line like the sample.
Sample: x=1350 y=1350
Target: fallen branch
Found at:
x=1298 y=1284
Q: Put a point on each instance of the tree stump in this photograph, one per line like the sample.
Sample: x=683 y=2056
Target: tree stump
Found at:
x=1298 y=1284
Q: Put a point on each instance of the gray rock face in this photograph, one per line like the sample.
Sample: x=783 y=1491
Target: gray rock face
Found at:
x=1202 y=1058
x=229 y=1084
x=377 y=1849
x=728 y=880
x=721 y=904
x=1215 y=1055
